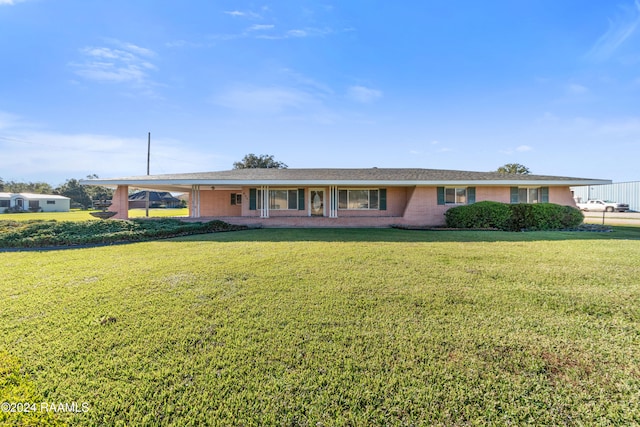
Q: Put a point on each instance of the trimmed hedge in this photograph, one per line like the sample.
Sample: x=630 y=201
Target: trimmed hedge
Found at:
x=36 y=233
x=514 y=217
x=479 y=215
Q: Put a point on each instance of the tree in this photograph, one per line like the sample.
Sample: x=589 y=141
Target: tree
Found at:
x=97 y=192
x=263 y=161
x=26 y=187
x=76 y=192
x=514 y=168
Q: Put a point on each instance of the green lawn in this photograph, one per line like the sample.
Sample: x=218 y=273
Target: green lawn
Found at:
x=82 y=215
x=329 y=327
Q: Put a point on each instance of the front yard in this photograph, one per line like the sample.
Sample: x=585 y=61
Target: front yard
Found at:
x=329 y=327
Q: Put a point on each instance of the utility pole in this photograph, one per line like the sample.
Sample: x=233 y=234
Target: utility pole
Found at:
x=146 y=203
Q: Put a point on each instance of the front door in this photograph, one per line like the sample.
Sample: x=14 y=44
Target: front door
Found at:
x=316 y=199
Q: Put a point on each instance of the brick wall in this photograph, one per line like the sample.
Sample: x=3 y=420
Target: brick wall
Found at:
x=120 y=202
x=218 y=203
x=423 y=209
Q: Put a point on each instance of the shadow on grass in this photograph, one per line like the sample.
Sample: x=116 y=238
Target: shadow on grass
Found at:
x=397 y=235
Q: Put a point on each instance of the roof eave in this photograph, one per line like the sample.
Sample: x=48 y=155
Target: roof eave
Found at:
x=172 y=184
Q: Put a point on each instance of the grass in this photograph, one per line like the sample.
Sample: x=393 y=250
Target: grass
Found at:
x=333 y=327
x=84 y=215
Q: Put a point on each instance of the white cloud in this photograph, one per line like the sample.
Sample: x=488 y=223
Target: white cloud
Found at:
x=523 y=148
x=240 y=14
x=124 y=63
x=297 y=33
x=363 y=94
x=260 y=27
x=620 y=29
x=54 y=157
x=8 y=120
x=268 y=100
x=577 y=89
x=10 y=2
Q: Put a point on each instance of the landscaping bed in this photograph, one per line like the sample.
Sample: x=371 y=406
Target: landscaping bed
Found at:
x=38 y=233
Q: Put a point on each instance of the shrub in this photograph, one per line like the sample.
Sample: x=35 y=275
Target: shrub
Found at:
x=516 y=217
x=549 y=216
x=38 y=233
x=479 y=215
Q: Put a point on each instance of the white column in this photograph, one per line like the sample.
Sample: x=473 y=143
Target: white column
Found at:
x=333 y=201
x=264 y=212
x=195 y=201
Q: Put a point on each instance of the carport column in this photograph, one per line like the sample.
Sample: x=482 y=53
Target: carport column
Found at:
x=120 y=202
x=333 y=201
x=264 y=194
x=195 y=202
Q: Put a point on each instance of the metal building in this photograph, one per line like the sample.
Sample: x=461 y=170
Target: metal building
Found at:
x=621 y=192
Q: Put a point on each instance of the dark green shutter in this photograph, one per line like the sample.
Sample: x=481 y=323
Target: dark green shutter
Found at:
x=383 y=199
x=252 y=199
x=514 y=195
x=440 y=195
x=544 y=194
x=471 y=195
x=300 y=199
x=233 y=198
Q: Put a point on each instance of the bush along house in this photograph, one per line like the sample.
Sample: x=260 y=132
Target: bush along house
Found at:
x=374 y=197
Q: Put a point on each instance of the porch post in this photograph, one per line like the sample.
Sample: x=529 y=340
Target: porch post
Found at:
x=333 y=201
x=120 y=202
x=195 y=202
x=264 y=191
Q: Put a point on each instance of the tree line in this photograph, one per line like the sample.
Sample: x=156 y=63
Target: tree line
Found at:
x=80 y=195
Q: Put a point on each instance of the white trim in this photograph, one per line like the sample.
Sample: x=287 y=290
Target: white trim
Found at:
x=264 y=195
x=181 y=184
x=195 y=203
x=333 y=201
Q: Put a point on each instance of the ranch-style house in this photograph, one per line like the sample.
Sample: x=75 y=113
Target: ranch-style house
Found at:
x=373 y=197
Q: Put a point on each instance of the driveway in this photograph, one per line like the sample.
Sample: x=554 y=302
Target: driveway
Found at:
x=612 y=218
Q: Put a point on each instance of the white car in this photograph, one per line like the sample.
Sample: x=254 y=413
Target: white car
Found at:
x=602 y=205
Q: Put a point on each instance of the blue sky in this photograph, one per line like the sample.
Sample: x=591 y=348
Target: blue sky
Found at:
x=468 y=85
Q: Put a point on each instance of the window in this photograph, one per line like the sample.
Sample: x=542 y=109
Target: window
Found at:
x=281 y=199
x=455 y=196
x=51 y=202
x=529 y=194
x=359 y=199
x=4 y=203
x=236 y=198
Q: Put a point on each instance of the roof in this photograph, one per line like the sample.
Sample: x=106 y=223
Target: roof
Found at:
x=32 y=196
x=154 y=196
x=310 y=177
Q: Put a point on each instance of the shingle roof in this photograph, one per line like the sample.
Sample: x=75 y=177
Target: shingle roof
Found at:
x=382 y=176
x=372 y=174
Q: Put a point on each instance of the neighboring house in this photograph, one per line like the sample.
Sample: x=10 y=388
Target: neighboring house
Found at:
x=374 y=197
x=621 y=192
x=157 y=199
x=34 y=202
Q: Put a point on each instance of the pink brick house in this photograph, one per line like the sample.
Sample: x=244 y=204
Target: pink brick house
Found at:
x=373 y=197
